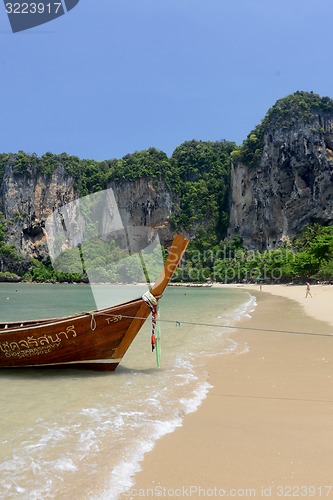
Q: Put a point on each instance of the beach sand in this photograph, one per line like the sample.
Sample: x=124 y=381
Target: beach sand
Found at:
x=266 y=426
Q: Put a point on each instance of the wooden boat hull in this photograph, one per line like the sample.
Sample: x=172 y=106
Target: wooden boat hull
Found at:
x=88 y=339
x=96 y=340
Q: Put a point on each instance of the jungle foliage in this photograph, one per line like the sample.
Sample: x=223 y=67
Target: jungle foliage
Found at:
x=197 y=175
x=309 y=256
x=287 y=112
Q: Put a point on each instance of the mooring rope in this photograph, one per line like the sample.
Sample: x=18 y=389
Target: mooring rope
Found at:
x=178 y=323
x=93 y=324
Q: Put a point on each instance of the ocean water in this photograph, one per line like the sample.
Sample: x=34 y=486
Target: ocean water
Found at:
x=77 y=434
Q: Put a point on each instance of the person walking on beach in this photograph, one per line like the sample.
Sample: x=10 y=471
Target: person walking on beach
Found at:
x=308 y=290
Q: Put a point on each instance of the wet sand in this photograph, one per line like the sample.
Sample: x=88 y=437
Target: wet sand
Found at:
x=266 y=427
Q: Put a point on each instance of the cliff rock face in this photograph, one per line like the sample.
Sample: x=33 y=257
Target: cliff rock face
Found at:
x=290 y=186
x=145 y=202
x=26 y=201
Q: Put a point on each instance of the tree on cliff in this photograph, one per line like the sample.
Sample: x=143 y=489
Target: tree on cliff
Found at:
x=201 y=181
x=197 y=176
x=298 y=107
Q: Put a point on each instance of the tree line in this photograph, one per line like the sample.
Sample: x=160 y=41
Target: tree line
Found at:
x=197 y=174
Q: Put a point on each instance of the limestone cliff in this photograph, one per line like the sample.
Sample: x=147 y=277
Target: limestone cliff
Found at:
x=145 y=202
x=27 y=200
x=283 y=181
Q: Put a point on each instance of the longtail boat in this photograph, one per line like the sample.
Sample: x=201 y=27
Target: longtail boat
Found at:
x=94 y=340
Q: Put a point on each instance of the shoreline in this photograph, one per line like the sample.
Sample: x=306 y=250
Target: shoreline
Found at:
x=318 y=306
x=266 y=423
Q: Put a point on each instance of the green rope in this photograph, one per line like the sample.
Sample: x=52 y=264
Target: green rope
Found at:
x=158 y=338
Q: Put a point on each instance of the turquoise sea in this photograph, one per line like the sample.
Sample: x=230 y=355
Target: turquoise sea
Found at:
x=76 y=434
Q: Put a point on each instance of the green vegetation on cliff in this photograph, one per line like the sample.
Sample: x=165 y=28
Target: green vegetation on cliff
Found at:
x=197 y=176
x=200 y=181
x=307 y=256
x=285 y=114
x=12 y=264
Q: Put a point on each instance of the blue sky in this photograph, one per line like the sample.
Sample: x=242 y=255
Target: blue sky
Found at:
x=114 y=76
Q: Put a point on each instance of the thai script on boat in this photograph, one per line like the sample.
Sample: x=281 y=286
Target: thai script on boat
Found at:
x=35 y=346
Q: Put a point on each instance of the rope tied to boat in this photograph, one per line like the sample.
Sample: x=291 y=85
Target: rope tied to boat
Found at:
x=93 y=324
x=149 y=298
x=178 y=324
x=152 y=303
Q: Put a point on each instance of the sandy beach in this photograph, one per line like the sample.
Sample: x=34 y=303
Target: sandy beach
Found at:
x=266 y=427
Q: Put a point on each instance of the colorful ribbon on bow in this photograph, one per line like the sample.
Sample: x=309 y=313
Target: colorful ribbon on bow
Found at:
x=152 y=303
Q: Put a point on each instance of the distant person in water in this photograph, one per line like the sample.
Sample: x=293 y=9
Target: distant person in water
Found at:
x=308 y=290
